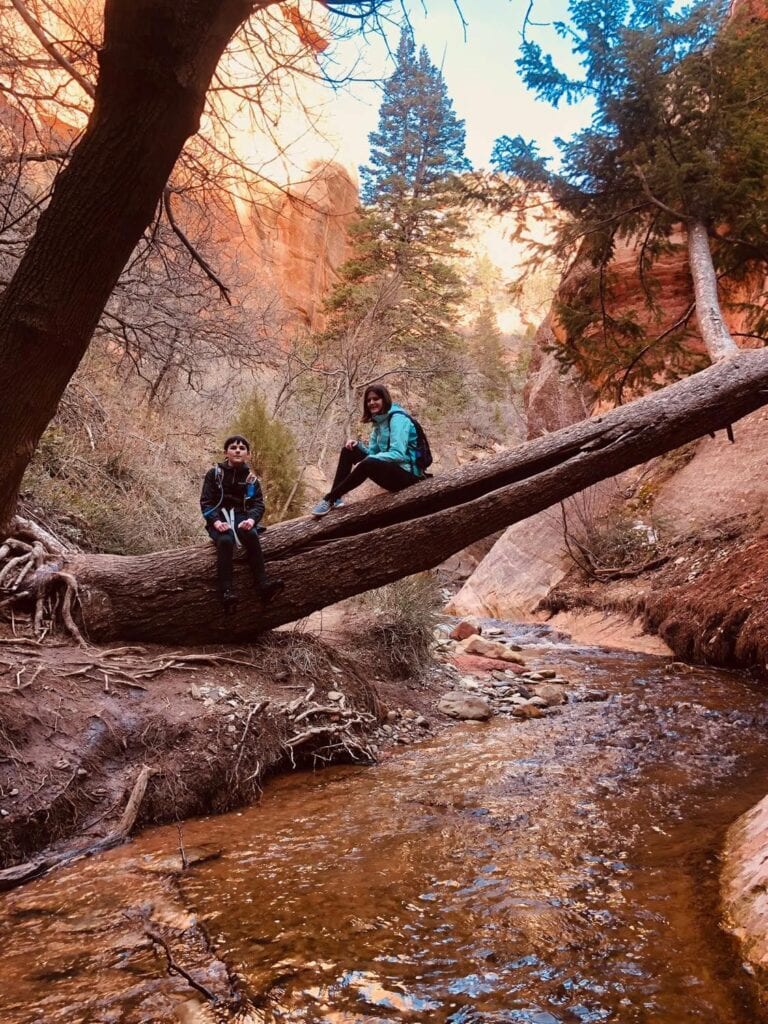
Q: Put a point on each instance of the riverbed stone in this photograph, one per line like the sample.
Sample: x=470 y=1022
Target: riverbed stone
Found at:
x=466 y=628
x=490 y=649
x=482 y=666
x=553 y=695
x=465 y=706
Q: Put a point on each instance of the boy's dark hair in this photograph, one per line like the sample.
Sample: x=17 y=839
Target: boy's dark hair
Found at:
x=384 y=395
x=240 y=438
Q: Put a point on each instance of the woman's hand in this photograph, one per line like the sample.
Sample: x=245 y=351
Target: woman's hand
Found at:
x=351 y=443
x=247 y=524
x=220 y=527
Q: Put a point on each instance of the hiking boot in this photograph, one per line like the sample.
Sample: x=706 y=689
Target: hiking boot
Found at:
x=266 y=589
x=228 y=600
x=322 y=508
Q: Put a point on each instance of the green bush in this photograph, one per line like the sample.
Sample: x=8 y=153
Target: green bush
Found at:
x=273 y=458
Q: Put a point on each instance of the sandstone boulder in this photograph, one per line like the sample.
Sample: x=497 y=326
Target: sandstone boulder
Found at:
x=465 y=629
x=465 y=706
x=490 y=649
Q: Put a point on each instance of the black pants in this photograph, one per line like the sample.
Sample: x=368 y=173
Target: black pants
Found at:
x=355 y=467
x=225 y=549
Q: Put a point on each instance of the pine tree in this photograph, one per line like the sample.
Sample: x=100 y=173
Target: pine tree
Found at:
x=407 y=236
x=488 y=352
x=677 y=141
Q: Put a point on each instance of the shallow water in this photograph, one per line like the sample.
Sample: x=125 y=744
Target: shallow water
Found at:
x=551 y=871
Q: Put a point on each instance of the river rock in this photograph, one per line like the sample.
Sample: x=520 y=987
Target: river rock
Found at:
x=553 y=695
x=527 y=710
x=465 y=629
x=481 y=665
x=490 y=649
x=466 y=706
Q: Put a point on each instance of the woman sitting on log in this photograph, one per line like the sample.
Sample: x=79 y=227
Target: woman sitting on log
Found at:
x=392 y=458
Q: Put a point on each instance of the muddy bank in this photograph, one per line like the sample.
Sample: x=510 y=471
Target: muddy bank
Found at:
x=707 y=601
x=77 y=727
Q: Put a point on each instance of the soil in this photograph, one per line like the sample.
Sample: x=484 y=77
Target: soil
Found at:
x=77 y=726
x=707 y=602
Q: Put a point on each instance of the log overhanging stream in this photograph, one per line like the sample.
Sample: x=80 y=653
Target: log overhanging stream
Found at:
x=169 y=596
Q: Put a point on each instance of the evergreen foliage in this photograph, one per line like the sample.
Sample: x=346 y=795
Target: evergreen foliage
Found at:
x=678 y=136
x=399 y=289
x=488 y=352
x=273 y=458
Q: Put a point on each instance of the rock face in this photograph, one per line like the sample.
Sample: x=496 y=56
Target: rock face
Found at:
x=745 y=885
x=299 y=237
x=720 y=480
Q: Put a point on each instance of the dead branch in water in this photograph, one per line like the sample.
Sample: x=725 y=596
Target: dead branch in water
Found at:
x=20 y=873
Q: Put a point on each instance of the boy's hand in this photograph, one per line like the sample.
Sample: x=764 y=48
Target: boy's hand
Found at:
x=220 y=526
x=247 y=524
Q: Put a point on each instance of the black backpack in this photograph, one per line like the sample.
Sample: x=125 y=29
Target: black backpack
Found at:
x=423 y=451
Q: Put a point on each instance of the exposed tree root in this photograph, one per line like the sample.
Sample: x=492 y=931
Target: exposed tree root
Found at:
x=340 y=729
x=31 y=576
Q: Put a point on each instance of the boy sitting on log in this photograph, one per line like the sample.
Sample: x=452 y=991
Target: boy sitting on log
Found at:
x=232 y=505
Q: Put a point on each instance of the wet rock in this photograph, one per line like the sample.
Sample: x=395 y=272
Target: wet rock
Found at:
x=464 y=706
x=553 y=695
x=589 y=696
x=172 y=863
x=465 y=629
x=483 y=665
x=527 y=710
x=490 y=649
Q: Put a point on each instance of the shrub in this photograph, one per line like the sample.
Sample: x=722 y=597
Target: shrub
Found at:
x=403 y=618
x=273 y=458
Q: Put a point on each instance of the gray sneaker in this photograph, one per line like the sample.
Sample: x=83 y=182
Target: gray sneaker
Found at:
x=339 y=503
x=322 y=508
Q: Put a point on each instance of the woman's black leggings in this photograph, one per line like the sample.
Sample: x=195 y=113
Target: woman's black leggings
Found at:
x=355 y=467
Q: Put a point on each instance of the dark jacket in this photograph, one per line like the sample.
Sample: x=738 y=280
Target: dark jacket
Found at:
x=231 y=487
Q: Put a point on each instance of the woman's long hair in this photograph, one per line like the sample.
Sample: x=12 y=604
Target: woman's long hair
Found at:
x=384 y=395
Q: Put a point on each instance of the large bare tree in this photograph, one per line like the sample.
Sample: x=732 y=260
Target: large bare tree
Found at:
x=155 y=71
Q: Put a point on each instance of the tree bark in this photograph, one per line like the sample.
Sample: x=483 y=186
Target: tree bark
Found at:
x=709 y=316
x=156 y=65
x=169 y=596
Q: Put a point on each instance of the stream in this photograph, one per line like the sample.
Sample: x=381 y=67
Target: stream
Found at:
x=561 y=870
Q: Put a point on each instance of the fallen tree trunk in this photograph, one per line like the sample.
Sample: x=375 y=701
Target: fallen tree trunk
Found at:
x=169 y=596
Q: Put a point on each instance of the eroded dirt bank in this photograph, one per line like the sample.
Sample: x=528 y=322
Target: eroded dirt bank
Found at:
x=707 y=601
x=78 y=726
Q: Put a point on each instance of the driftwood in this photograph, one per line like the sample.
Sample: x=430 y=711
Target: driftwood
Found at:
x=170 y=596
x=12 y=877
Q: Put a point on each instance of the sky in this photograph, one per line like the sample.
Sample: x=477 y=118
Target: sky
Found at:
x=479 y=71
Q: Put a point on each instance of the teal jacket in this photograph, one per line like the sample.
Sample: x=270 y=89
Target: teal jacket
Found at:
x=393 y=439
